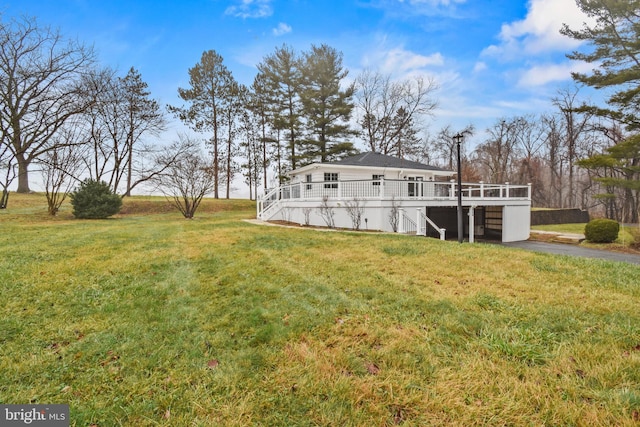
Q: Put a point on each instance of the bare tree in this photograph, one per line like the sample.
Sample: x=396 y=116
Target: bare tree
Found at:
x=394 y=215
x=553 y=143
x=307 y=215
x=116 y=127
x=444 y=148
x=9 y=171
x=388 y=110
x=497 y=155
x=120 y=117
x=327 y=212
x=187 y=178
x=530 y=141
x=574 y=124
x=355 y=210
x=39 y=88
x=97 y=85
x=60 y=167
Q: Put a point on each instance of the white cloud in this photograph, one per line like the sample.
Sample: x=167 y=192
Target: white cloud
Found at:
x=432 y=2
x=399 y=60
x=480 y=66
x=541 y=75
x=281 y=29
x=251 y=9
x=540 y=30
x=413 y=8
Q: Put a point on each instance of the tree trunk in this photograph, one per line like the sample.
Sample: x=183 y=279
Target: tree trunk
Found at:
x=129 y=169
x=264 y=158
x=4 y=198
x=23 y=174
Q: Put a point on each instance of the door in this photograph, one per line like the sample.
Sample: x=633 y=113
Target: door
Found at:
x=416 y=186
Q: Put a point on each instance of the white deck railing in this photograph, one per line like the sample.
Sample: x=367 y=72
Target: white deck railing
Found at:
x=387 y=189
x=406 y=225
x=423 y=219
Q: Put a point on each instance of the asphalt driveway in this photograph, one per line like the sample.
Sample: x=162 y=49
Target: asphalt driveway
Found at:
x=573 y=250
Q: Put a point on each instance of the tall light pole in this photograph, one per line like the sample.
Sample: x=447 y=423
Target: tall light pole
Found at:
x=458 y=140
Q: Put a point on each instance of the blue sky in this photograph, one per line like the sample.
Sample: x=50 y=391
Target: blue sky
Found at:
x=490 y=58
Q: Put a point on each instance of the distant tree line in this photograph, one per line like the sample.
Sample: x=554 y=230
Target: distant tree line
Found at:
x=65 y=116
x=580 y=155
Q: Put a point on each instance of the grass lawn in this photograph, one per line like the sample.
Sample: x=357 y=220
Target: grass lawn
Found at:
x=626 y=241
x=148 y=319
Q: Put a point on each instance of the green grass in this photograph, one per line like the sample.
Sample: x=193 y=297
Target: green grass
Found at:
x=149 y=319
x=626 y=241
x=576 y=228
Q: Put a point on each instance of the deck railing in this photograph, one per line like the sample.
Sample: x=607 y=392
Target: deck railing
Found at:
x=387 y=189
x=406 y=225
x=399 y=189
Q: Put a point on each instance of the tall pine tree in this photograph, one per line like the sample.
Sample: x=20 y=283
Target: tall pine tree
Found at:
x=326 y=106
x=208 y=96
x=281 y=75
x=615 y=43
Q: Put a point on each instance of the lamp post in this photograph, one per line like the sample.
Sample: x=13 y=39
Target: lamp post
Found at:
x=458 y=140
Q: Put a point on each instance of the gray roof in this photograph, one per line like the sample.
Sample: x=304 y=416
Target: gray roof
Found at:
x=382 y=160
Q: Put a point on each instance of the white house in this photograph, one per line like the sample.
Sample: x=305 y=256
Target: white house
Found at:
x=373 y=191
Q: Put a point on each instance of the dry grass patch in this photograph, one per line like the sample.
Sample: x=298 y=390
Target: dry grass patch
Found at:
x=155 y=320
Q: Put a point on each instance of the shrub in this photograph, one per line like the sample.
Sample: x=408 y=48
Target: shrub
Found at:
x=635 y=233
x=94 y=200
x=601 y=230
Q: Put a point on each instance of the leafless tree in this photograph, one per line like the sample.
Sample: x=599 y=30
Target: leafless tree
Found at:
x=554 y=160
x=307 y=214
x=394 y=215
x=327 y=212
x=60 y=167
x=355 y=210
x=187 y=177
x=9 y=171
x=497 y=155
x=39 y=88
x=574 y=126
x=444 y=147
x=119 y=119
x=388 y=109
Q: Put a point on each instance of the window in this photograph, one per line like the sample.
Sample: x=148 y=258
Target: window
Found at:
x=330 y=176
x=308 y=179
x=376 y=179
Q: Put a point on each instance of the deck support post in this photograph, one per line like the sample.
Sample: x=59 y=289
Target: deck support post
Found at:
x=472 y=224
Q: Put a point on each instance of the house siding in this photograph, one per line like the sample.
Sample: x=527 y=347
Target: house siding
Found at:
x=303 y=202
x=354 y=174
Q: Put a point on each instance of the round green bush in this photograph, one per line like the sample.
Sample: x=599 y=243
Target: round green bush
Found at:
x=601 y=230
x=94 y=200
